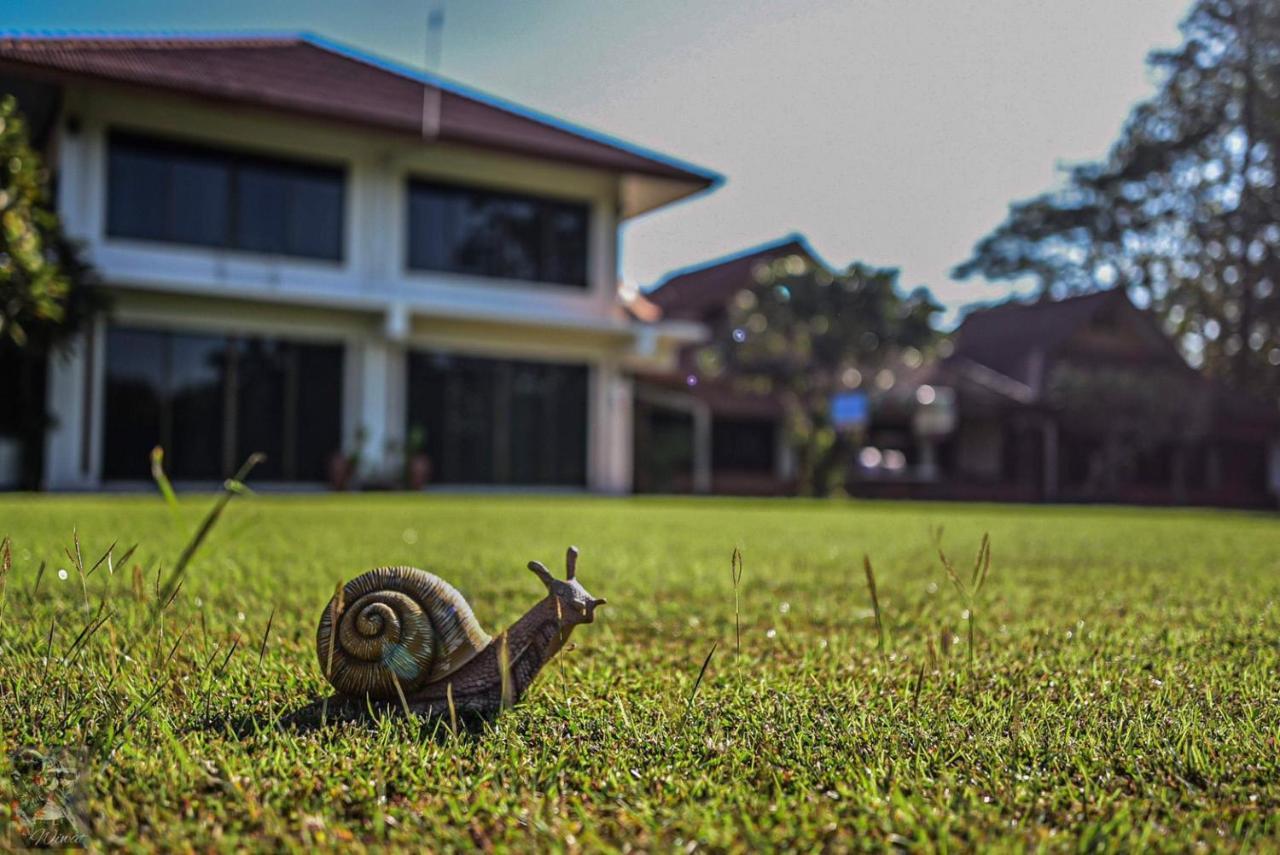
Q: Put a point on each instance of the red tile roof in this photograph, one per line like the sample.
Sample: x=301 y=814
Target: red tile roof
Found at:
x=306 y=75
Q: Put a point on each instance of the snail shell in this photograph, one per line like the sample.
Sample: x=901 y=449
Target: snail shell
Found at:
x=396 y=624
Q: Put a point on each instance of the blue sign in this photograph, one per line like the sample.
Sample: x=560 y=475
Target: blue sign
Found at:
x=850 y=410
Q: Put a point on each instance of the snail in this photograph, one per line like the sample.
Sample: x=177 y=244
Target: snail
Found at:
x=409 y=637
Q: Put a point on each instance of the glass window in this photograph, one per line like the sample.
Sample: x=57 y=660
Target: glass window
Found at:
x=195 y=396
x=136 y=398
x=490 y=421
x=180 y=193
x=497 y=235
x=210 y=401
x=745 y=445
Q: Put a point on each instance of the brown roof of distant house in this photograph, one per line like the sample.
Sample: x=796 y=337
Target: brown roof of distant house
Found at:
x=1011 y=336
x=310 y=76
x=699 y=293
x=1016 y=339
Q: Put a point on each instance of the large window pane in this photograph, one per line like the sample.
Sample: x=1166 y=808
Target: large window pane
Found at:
x=318 y=411
x=493 y=421
x=197 y=382
x=261 y=408
x=136 y=390
x=314 y=224
x=499 y=235
x=199 y=195
x=210 y=401
x=262 y=205
x=138 y=195
x=183 y=193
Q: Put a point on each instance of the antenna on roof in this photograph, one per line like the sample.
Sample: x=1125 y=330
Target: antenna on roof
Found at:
x=431 y=95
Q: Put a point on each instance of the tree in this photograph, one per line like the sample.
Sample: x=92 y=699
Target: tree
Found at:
x=1185 y=210
x=803 y=334
x=45 y=288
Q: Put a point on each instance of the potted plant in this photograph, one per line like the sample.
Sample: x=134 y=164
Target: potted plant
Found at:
x=345 y=465
x=417 y=465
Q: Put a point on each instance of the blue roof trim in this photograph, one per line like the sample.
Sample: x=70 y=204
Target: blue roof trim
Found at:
x=188 y=35
x=793 y=237
x=715 y=179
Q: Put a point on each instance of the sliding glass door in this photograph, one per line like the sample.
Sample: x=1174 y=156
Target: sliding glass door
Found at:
x=210 y=401
x=494 y=421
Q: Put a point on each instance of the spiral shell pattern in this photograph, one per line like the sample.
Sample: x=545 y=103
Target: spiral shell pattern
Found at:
x=396 y=625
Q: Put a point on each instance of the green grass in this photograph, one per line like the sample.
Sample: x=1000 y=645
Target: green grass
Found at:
x=1124 y=689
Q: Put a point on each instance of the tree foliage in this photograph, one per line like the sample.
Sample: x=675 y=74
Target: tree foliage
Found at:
x=1185 y=210
x=42 y=280
x=45 y=289
x=803 y=334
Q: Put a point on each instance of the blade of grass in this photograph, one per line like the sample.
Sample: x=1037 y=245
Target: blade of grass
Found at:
x=206 y=526
x=698 y=682
x=504 y=668
x=262 y=648
x=875 y=603
x=404 y=704
x=735 y=570
x=98 y=563
x=337 y=606
x=6 y=562
x=162 y=480
x=986 y=563
x=953 y=575
x=453 y=710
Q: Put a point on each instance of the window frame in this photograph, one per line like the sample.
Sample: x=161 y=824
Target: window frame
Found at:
x=542 y=201
x=234 y=159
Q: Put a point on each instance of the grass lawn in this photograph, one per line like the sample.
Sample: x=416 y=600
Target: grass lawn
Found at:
x=1123 y=692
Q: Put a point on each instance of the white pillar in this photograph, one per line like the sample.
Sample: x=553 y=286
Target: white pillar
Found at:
x=610 y=456
x=72 y=451
x=374 y=405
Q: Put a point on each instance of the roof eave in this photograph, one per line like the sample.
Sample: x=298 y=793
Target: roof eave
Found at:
x=639 y=194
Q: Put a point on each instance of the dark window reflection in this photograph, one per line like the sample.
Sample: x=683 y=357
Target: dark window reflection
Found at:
x=490 y=421
x=210 y=401
x=746 y=445
x=181 y=193
x=498 y=235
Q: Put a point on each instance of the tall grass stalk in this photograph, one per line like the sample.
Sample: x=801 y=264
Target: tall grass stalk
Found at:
x=698 y=682
x=969 y=591
x=735 y=570
x=233 y=486
x=875 y=603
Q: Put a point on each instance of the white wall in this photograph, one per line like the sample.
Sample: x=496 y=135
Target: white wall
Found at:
x=373 y=271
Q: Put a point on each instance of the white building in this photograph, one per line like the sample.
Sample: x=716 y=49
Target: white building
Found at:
x=311 y=250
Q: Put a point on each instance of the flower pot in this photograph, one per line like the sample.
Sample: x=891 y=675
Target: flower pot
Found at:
x=418 y=471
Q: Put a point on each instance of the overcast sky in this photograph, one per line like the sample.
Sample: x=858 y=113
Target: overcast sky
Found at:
x=890 y=131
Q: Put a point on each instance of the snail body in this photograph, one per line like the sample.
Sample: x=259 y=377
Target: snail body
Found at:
x=405 y=635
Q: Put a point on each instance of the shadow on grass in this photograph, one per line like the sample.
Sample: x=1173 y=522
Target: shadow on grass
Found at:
x=336 y=714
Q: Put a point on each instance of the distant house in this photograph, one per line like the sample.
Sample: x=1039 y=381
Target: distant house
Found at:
x=311 y=251
x=693 y=434
x=1082 y=399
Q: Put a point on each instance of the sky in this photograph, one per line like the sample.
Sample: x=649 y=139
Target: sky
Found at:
x=894 y=132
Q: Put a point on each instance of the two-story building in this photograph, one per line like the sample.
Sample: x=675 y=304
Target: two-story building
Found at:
x=309 y=250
